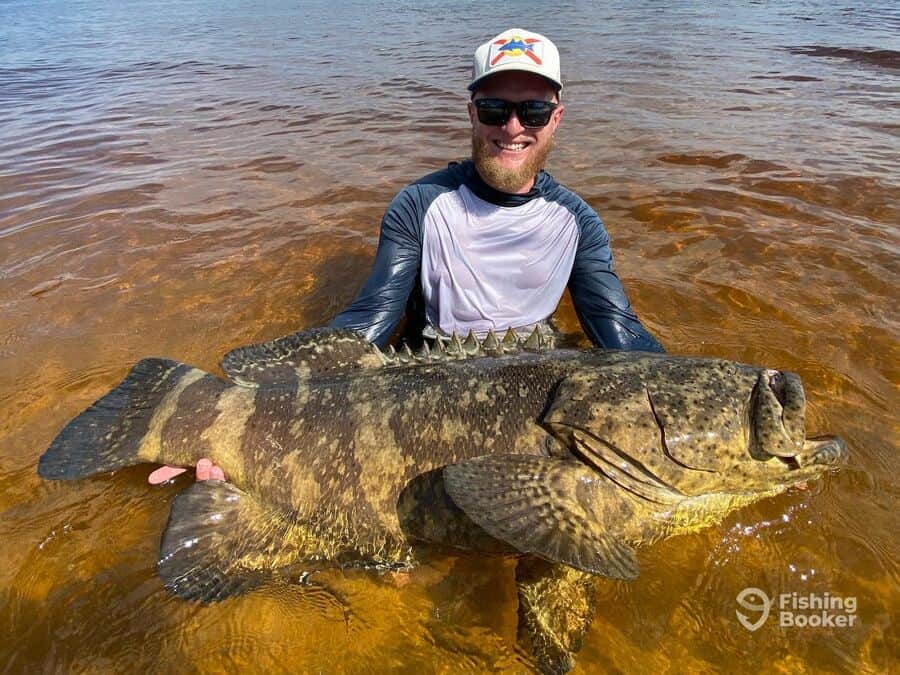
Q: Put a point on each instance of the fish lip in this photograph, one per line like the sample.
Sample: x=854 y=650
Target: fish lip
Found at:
x=822 y=451
x=776 y=415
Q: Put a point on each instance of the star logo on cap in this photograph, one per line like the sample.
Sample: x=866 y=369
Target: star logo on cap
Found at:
x=516 y=47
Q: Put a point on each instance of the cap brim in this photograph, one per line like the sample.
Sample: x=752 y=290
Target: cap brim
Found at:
x=513 y=68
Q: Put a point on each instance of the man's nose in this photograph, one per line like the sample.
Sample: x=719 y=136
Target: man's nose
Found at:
x=513 y=126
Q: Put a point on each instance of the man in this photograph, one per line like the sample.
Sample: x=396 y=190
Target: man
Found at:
x=491 y=243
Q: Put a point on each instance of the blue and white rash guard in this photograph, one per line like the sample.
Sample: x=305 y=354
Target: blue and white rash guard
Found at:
x=464 y=256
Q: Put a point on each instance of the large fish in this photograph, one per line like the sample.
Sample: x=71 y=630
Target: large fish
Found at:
x=337 y=453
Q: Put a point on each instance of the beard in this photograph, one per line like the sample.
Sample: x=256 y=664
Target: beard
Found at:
x=501 y=178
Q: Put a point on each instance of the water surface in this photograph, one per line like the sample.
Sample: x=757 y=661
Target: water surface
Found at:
x=180 y=178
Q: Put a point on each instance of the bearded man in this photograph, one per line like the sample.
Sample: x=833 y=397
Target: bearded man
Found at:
x=491 y=243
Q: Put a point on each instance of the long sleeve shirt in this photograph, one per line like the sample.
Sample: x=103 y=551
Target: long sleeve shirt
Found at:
x=468 y=257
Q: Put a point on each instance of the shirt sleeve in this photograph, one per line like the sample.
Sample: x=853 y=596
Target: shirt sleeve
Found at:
x=603 y=308
x=381 y=302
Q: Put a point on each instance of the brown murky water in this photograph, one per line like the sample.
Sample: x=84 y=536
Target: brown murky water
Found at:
x=179 y=179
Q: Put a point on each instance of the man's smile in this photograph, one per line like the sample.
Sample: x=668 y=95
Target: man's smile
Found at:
x=512 y=147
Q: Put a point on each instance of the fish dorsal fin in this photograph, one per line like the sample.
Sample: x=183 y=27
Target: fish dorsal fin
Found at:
x=559 y=510
x=304 y=355
x=220 y=541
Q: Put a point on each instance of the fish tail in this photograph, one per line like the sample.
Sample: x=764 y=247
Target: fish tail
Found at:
x=107 y=436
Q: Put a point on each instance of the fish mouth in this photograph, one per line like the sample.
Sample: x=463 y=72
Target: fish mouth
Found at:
x=777 y=416
x=778 y=426
x=822 y=451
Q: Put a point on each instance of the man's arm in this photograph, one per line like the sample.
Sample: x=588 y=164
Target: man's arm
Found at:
x=382 y=300
x=600 y=301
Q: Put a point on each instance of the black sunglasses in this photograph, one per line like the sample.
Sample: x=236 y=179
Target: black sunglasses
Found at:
x=496 y=111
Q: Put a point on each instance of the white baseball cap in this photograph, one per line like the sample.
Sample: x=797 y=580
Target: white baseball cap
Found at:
x=517 y=49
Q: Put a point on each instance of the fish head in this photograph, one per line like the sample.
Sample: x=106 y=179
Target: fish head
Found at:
x=690 y=426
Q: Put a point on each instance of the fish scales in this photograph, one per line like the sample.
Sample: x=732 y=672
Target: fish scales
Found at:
x=353 y=443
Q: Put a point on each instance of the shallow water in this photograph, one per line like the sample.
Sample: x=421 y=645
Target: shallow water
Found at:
x=181 y=178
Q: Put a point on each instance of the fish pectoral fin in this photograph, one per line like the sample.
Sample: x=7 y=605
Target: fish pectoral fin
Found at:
x=220 y=541
x=557 y=509
x=301 y=356
x=556 y=607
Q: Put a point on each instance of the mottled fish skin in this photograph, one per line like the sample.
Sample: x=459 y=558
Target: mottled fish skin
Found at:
x=339 y=454
x=343 y=449
x=336 y=452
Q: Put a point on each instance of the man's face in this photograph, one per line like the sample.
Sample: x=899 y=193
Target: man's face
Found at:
x=509 y=157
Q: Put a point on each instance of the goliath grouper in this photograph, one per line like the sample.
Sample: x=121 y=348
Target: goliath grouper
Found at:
x=339 y=454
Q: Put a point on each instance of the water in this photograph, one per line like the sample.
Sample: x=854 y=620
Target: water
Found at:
x=182 y=178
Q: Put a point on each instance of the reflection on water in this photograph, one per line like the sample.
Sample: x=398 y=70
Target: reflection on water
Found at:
x=181 y=178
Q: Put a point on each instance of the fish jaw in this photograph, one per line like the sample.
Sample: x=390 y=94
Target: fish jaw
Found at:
x=822 y=453
x=777 y=411
x=696 y=513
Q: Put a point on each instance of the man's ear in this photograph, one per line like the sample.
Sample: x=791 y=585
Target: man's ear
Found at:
x=472 y=114
x=558 y=115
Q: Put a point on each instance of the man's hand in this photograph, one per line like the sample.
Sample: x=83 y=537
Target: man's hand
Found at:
x=206 y=470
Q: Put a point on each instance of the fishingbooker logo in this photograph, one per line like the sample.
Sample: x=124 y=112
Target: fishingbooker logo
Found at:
x=796 y=610
x=531 y=48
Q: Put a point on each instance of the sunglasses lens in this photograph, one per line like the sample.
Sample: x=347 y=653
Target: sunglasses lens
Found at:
x=492 y=111
x=495 y=112
x=535 y=113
